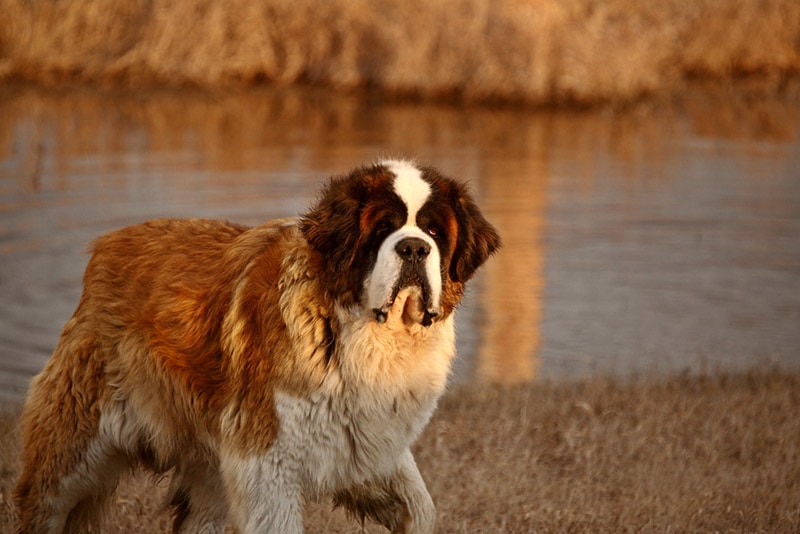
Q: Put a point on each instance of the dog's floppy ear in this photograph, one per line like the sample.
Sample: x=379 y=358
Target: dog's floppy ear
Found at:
x=331 y=226
x=477 y=239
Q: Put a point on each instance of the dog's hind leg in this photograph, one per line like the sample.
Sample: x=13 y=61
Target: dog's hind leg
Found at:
x=67 y=485
x=198 y=497
x=69 y=467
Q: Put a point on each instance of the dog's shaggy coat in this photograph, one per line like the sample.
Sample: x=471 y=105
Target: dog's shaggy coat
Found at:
x=295 y=360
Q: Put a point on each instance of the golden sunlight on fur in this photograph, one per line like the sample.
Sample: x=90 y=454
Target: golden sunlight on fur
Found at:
x=249 y=361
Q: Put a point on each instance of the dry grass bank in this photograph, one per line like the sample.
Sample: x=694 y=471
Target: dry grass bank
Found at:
x=583 y=51
x=714 y=453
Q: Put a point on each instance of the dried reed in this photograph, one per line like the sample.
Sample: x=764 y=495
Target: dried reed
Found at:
x=535 y=51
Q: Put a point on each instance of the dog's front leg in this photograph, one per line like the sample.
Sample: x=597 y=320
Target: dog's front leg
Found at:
x=398 y=500
x=264 y=495
x=419 y=514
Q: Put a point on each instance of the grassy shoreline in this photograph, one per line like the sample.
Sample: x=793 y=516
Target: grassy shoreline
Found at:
x=570 y=51
x=717 y=452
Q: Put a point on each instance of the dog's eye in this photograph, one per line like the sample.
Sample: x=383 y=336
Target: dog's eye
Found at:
x=434 y=231
x=383 y=227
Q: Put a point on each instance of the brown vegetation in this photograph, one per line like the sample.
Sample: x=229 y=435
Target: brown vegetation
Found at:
x=514 y=50
x=710 y=453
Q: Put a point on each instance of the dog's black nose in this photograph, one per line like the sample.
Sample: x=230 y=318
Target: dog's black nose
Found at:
x=413 y=249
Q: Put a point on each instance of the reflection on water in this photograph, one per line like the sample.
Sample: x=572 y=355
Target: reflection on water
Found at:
x=658 y=239
x=513 y=281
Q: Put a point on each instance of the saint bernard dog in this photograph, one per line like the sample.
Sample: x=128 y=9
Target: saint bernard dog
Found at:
x=263 y=366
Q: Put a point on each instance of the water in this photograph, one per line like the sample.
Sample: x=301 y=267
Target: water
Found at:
x=655 y=240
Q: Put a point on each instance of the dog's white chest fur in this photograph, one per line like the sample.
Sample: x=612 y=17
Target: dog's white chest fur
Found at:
x=362 y=418
x=354 y=430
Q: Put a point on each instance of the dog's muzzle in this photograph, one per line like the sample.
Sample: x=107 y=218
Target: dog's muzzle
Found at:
x=413 y=253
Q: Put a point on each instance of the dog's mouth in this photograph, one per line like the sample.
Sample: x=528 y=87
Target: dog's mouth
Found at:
x=410 y=301
x=407 y=306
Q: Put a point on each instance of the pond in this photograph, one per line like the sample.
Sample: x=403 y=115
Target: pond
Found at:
x=656 y=239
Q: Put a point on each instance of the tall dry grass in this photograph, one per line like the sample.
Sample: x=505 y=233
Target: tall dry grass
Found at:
x=520 y=50
x=717 y=453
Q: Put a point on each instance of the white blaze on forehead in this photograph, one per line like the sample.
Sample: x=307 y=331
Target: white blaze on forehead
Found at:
x=409 y=186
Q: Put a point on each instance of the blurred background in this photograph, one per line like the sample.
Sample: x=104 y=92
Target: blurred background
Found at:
x=640 y=159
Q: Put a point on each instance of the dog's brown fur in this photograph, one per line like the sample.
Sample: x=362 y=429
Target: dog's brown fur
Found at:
x=225 y=353
x=156 y=307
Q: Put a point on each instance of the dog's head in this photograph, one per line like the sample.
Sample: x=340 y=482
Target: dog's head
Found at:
x=398 y=227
